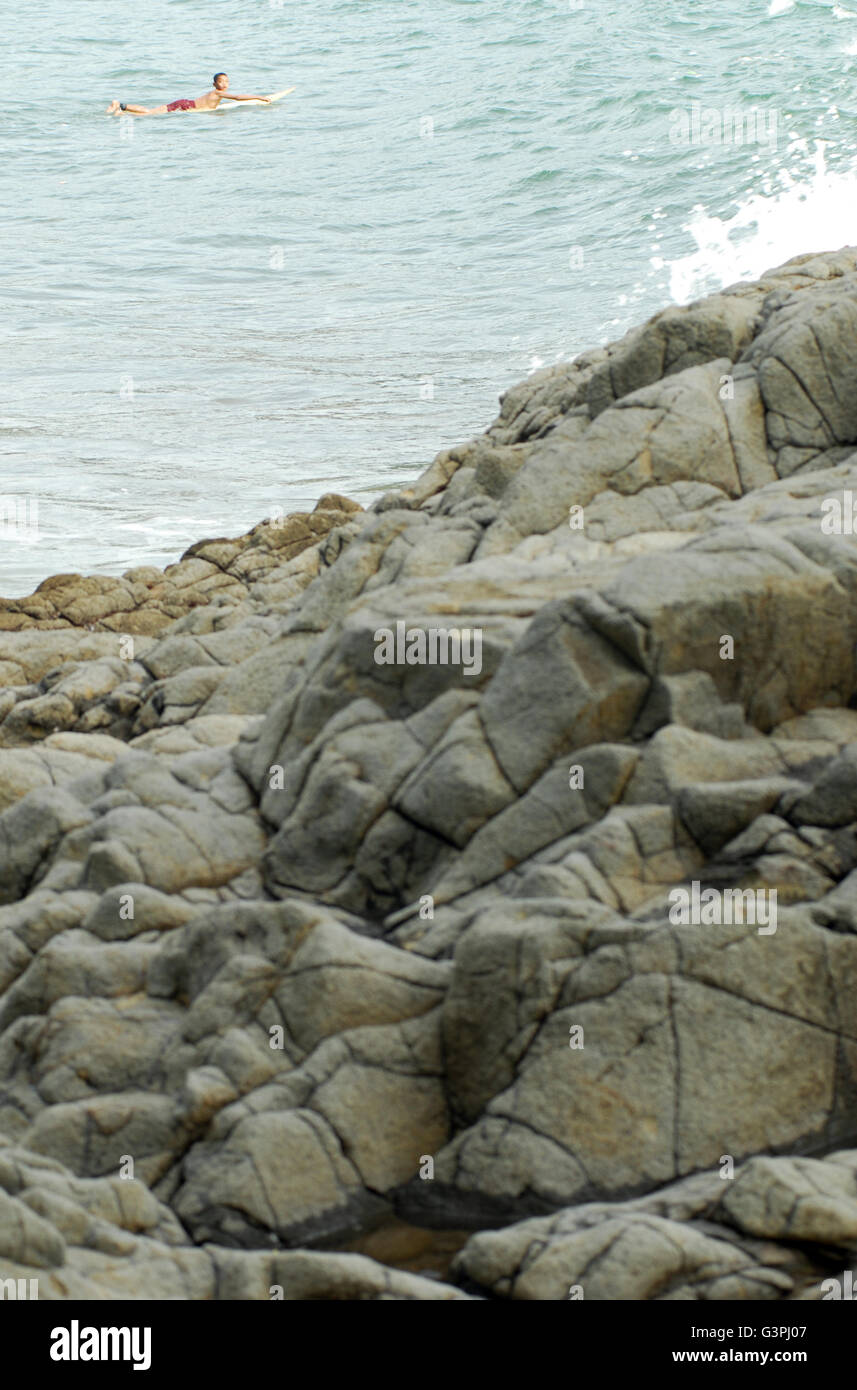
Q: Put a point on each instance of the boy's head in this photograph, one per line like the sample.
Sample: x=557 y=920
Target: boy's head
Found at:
x=221 y=81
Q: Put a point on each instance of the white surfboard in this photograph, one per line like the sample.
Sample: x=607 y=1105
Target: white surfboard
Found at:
x=274 y=96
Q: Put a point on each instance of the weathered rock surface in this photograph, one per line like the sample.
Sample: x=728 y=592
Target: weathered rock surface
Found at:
x=227 y=572
x=109 y=1238
x=315 y=944
x=780 y=1229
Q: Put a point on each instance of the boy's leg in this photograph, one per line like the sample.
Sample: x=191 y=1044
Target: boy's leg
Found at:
x=125 y=108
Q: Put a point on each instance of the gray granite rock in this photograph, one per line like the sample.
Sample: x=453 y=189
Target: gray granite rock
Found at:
x=350 y=890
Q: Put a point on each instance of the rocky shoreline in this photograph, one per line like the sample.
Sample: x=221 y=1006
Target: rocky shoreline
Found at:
x=330 y=976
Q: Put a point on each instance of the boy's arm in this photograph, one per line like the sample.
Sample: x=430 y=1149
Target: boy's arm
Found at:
x=231 y=96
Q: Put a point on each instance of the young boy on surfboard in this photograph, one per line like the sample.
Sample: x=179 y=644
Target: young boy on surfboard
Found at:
x=208 y=102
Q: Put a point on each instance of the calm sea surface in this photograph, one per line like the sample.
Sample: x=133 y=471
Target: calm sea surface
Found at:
x=208 y=317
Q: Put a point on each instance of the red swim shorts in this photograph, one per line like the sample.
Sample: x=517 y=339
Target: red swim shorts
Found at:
x=184 y=104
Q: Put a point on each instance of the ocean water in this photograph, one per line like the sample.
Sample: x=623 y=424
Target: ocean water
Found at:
x=207 y=318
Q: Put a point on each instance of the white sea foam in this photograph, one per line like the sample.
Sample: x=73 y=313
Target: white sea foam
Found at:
x=811 y=214
x=780 y=7
x=170 y=528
